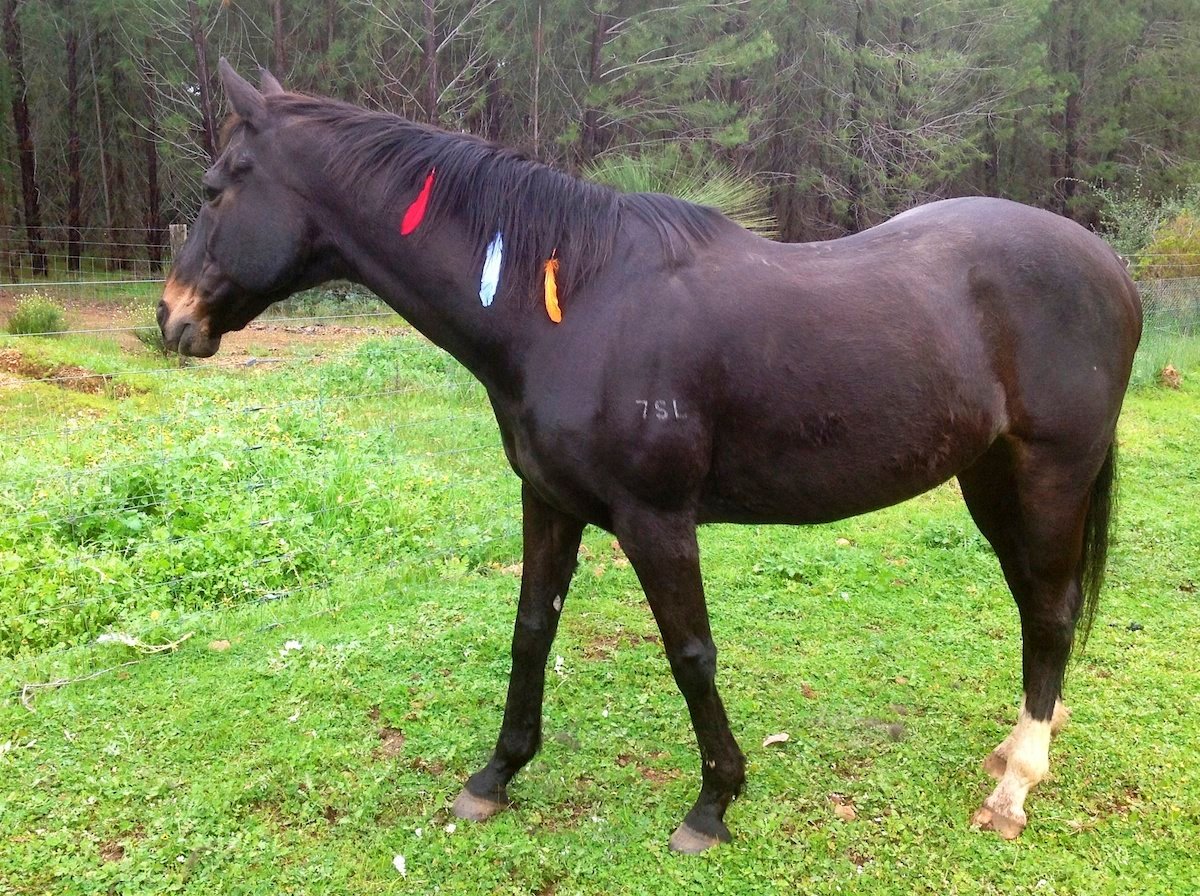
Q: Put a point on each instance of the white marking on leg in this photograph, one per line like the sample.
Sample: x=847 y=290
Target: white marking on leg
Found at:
x=558 y=604
x=1027 y=755
x=996 y=761
x=1062 y=714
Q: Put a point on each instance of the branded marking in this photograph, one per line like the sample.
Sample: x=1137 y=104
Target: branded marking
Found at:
x=661 y=408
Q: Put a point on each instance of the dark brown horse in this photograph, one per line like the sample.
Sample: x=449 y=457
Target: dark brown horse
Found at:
x=702 y=374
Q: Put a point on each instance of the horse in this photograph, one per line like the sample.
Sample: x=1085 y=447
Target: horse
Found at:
x=652 y=366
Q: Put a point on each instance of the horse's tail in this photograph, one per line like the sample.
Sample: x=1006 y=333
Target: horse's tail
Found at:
x=1096 y=530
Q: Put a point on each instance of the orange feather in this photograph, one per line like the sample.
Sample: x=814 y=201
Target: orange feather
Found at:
x=552 y=308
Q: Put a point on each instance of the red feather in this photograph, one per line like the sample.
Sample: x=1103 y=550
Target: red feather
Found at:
x=416 y=211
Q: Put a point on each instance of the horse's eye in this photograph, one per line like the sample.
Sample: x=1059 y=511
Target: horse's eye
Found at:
x=212 y=183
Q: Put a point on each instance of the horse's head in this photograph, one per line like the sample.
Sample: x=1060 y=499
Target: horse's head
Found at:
x=256 y=238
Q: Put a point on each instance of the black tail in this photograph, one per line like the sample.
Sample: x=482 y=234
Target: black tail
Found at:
x=1096 y=526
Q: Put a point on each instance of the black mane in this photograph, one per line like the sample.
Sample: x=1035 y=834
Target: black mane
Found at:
x=384 y=158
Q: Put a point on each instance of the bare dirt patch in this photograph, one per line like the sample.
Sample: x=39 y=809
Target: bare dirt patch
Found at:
x=391 y=743
x=261 y=337
x=1170 y=377
x=275 y=338
x=65 y=376
x=421 y=764
x=602 y=647
x=654 y=775
x=111 y=851
x=843 y=807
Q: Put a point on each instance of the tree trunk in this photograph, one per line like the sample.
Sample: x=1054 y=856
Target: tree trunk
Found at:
x=1066 y=59
x=991 y=162
x=537 y=79
x=429 y=59
x=589 y=135
x=153 y=215
x=200 y=46
x=279 y=59
x=1072 y=112
x=12 y=270
x=331 y=11
x=26 y=159
x=493 y=113
x=486 y=120
x=105 y=183
x=121 y=246
x=781 y=152
x=74 y=174
x=179 y=234
x=856 y=213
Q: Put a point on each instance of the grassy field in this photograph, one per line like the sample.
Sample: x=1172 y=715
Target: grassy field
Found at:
x=337 y=535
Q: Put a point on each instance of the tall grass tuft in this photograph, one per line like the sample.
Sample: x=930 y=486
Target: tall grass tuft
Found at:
x=1164 y=345
x=147 y=332
x=36 y=315
x=704 y=183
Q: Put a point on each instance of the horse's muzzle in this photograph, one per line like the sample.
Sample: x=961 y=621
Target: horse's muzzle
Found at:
x=187 y=338
x=181 y=330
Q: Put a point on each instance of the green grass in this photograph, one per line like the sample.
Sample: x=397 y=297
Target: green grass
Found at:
x=373 y=485
x=1165 y=342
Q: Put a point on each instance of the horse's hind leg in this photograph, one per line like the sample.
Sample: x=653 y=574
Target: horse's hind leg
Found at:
x=1031 y=503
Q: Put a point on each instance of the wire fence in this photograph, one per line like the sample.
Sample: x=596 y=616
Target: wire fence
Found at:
x=1172 y=305
x=144 y=497
x=65 y=255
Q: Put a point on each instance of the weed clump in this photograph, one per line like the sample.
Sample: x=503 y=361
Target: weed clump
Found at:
x=36 y=315
x=148 y=333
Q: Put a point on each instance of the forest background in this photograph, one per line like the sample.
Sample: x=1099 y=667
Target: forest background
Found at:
x=845 y=111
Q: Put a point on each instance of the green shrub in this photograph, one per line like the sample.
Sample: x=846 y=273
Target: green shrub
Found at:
x=36 y=315
x=1174 y=250
x=334 y=300
x=1131 y=220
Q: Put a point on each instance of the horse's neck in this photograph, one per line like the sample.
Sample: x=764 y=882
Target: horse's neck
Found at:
x=432 y=283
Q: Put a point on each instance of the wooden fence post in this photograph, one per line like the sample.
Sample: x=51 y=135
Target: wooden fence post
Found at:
x=178 y=238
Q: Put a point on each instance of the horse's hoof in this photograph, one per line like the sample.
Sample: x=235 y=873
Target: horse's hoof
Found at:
x=1008 y=826
x=995 y=764
x=689 y=841
x=475 y=808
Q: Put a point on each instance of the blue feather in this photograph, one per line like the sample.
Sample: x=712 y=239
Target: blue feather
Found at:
x=490 y=281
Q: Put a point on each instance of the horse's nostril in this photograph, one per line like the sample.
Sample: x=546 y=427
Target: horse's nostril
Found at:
x=161 y=313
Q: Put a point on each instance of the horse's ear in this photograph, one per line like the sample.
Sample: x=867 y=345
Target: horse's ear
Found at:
x=268 y=84
x=246 y=101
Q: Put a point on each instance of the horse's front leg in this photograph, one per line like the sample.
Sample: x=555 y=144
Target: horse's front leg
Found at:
x=666 y=557
x=551 y=547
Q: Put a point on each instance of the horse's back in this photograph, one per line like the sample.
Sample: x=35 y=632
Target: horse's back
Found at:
x=802 y=383
x=859 y=372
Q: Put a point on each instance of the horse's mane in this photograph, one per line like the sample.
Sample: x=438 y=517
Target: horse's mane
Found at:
x=383 y=159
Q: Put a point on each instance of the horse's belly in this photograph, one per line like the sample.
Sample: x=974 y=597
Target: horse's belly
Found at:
x=770 y=478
